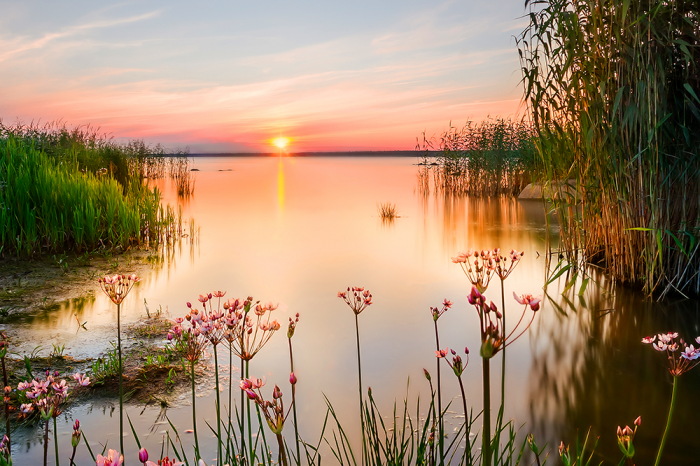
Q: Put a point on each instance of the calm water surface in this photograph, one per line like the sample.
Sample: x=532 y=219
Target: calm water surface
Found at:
x=298 y=230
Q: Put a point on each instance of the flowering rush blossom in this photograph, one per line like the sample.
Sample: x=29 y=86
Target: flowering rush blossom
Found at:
x=272 y=410
x=679 y=362
x=117 y=287
x=506 y=265
x=113 y=458
x=357 y=298
x=491 y=320
x=251 y=326
x=478 y=266
x=626 y=436
x=437 y=312
x=48 y=395
x=457 y=364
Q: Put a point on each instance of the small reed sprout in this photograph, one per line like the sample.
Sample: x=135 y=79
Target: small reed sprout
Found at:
x=387 y=211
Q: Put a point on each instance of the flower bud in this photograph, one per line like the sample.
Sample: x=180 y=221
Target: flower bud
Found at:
x=292 y=378
x=143 y=455
x=427 y=374
x=189 y=304
x=638 y=421
x=276 y=393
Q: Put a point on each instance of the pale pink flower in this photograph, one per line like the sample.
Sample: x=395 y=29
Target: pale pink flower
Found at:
x=649 y=339
x=113 y=458
x=529 y=300
x=26 y=408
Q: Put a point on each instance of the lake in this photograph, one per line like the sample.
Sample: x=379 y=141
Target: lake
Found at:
x=296 y=230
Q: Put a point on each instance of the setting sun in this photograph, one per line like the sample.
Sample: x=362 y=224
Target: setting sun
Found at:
x=281 y=142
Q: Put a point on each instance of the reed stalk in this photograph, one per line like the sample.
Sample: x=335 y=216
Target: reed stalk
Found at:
x=294 y=405
x=613 y=92
x=486 y=431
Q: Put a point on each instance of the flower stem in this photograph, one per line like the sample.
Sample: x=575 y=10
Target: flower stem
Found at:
x=283 y=454
x=250 y=429
x=486 y=433
x=359 y=377
x=218 y=408
x=46 y=443
x=55 y=439
x=294 y=405
x=439 y=396
x=194 y=413
x=668 y=422
x=230 y=397
x=241 y=422
x=121 y=386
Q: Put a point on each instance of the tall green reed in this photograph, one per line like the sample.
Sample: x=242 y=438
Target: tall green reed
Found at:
x=490 y=158
x=612 y=91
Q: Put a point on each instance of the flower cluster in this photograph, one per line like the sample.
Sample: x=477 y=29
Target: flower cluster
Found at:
x=292 y=326
x=505 y=265
x=437 y=312
x=357 y=298
x=626 y=436
x=118 y=286
x=457 y=364
x=272 y=410
x=48 y=395
x=678 y=363
x=479 y=267
x=491 y=320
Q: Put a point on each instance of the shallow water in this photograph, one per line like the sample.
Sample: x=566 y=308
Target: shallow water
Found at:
x=298 y=230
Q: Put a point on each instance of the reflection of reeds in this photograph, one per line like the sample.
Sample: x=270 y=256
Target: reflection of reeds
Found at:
x=490 y=158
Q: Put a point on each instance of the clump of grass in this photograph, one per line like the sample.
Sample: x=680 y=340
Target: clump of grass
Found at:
x=612 y=88
x=388 y=211
x=490 y=158
x=66 y=190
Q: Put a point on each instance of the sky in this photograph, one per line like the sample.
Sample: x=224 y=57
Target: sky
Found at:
x=231 y=76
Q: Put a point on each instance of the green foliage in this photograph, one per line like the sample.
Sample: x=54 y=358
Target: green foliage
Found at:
x=62 y=190
x=612 y=88
x=490 y=158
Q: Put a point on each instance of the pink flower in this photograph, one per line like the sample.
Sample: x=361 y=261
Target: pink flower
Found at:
x=649 y=339
x=143 y=455
x=442 y=353
x=528 y=300
x=447 y=303
x=111 y=459
x=26 y=408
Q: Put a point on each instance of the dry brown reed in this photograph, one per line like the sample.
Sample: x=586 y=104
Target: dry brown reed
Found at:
x=612 y=87
x=387 y=211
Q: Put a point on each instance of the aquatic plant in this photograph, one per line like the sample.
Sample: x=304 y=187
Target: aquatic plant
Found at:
x=387 y=211
x=357 y=299
x=677 y=366
x=293 y=381
x=113 y=458
x=491 y=158
x=612 y=90
x=117 y=287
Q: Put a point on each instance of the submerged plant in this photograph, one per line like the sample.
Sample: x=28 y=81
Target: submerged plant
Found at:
x=357 y=299
x=677 y=366
x=117 y=287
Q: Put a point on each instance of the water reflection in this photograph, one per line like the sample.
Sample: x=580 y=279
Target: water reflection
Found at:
x=579 y=366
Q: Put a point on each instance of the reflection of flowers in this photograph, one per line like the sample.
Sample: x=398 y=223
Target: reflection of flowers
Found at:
x=679 y=363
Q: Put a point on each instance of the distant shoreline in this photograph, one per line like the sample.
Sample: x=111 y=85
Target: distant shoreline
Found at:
x=387 y=153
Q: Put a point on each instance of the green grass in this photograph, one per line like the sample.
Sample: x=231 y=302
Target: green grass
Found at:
x=64 y=190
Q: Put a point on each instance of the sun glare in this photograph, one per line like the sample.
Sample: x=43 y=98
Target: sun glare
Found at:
x=281 y=142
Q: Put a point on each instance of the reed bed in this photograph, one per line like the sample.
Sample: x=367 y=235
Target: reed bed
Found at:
x=387 y=211
x=66 y=189
x=613 y=92
x=490 y=158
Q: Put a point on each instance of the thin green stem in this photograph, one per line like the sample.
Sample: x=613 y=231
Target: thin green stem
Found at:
x=55 y=439
x=194 y=414
x=668 y=422
x=250 y=428
x=218 y=407
x=486 y=433
x=46 y=443
x=241 y=420
x=359 y=378
x=441 y=432
x=121 y=385
x=230 y=398
x=294 y=405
